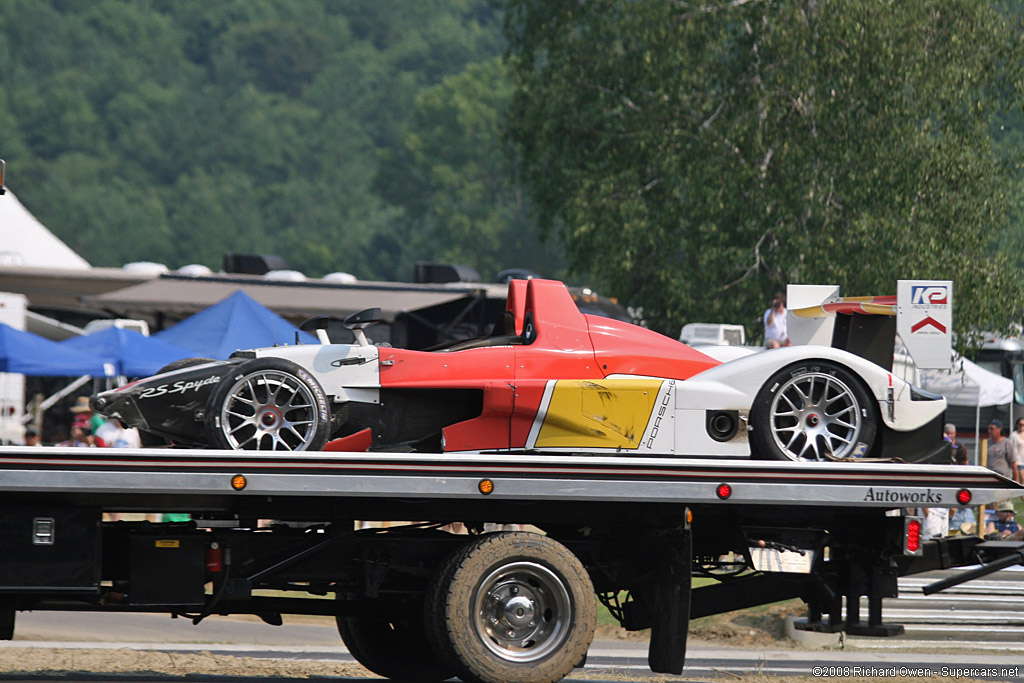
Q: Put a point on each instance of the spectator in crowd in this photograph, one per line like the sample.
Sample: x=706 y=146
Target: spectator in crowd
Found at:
x=81 y=434
x=116 y=435
x=1001 y=458
x=1017 y=441
x=962 y=520
x=936 y=522
x=959 y=451
x=775 y=333
x=949 y=432
x=1004 y=524
x=81 y=407
x=32 y=437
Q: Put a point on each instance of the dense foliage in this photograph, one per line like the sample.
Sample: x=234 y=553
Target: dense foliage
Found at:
x=689 y=157
x=696 y=157
x=176 y=131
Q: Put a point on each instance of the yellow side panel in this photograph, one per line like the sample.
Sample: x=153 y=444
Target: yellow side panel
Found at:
x=611 y=413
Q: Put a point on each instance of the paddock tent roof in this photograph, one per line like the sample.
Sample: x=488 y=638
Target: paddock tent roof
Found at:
x=24 y=241
x=175 y=295
x=29 y=354
x=133 y=354
x=236 y=322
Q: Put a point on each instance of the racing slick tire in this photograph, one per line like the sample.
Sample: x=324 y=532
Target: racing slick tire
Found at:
x=813 y=410
x=395 y=649
x=511 y=606
x=149 y=439
x=268 y=404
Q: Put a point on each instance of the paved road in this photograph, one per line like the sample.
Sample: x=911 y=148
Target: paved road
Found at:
x=622 y=660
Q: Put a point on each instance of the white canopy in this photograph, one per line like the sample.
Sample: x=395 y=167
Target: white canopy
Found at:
x=24 y=241
x=968 y=384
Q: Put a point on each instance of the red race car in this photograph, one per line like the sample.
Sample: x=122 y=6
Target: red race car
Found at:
x=548 y=379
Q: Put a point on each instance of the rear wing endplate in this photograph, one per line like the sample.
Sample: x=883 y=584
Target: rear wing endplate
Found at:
x=921 y=312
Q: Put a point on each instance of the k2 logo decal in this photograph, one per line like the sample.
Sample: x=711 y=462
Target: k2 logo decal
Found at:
x=929 y=295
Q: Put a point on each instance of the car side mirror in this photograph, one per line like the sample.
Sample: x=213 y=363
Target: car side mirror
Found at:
x=318 y=325
x=358 y=321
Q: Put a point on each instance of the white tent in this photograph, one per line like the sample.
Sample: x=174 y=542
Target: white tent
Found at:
x=969 y=384
x=24 y=241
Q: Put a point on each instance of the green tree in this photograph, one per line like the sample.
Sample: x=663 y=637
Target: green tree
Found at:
x=454 y=183
x=174 y=131
x=697 y=156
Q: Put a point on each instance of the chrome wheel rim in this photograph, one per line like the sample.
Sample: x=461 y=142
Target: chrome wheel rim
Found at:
x=522 y=612
x=269 y=411
x=815 y=414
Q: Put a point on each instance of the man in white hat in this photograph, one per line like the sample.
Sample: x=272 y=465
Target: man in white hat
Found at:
x=1003 y=525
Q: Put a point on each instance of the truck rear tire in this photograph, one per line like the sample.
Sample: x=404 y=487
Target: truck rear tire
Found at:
x=512 y=606
x=395 y=649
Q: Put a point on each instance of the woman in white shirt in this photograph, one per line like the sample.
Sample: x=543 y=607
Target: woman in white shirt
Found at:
x=1017 y=441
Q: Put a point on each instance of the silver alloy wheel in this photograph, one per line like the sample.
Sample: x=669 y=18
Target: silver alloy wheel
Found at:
x=522 y=612
x=269 y=410
x=815 y=413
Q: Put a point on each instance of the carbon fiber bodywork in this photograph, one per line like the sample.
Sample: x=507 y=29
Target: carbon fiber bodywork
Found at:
x=172 y=406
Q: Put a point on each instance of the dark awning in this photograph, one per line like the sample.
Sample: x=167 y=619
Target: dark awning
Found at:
x=179 y=296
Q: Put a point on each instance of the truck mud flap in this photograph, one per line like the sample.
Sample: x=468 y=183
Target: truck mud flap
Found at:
x=665 y=598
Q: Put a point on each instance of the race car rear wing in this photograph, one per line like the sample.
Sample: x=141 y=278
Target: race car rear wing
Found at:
x=921 y=313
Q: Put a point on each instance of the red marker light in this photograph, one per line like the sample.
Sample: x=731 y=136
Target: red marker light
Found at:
x=723 y=491
x=963 y=496
x=913 y=535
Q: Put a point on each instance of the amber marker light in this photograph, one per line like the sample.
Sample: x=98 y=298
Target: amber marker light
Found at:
x=238 y=482
x=963 y=496
x=723 y=491
x=486 y=486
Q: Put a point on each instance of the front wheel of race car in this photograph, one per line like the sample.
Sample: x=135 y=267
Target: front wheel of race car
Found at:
x=813 y=410
x=268 y=404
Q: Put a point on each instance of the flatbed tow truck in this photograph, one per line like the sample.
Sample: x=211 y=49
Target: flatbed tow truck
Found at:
x=414 y=601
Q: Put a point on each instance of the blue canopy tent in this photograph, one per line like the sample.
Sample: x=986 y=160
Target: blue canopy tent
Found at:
x=29 y=354
x=235 y=322
x=131 y=353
